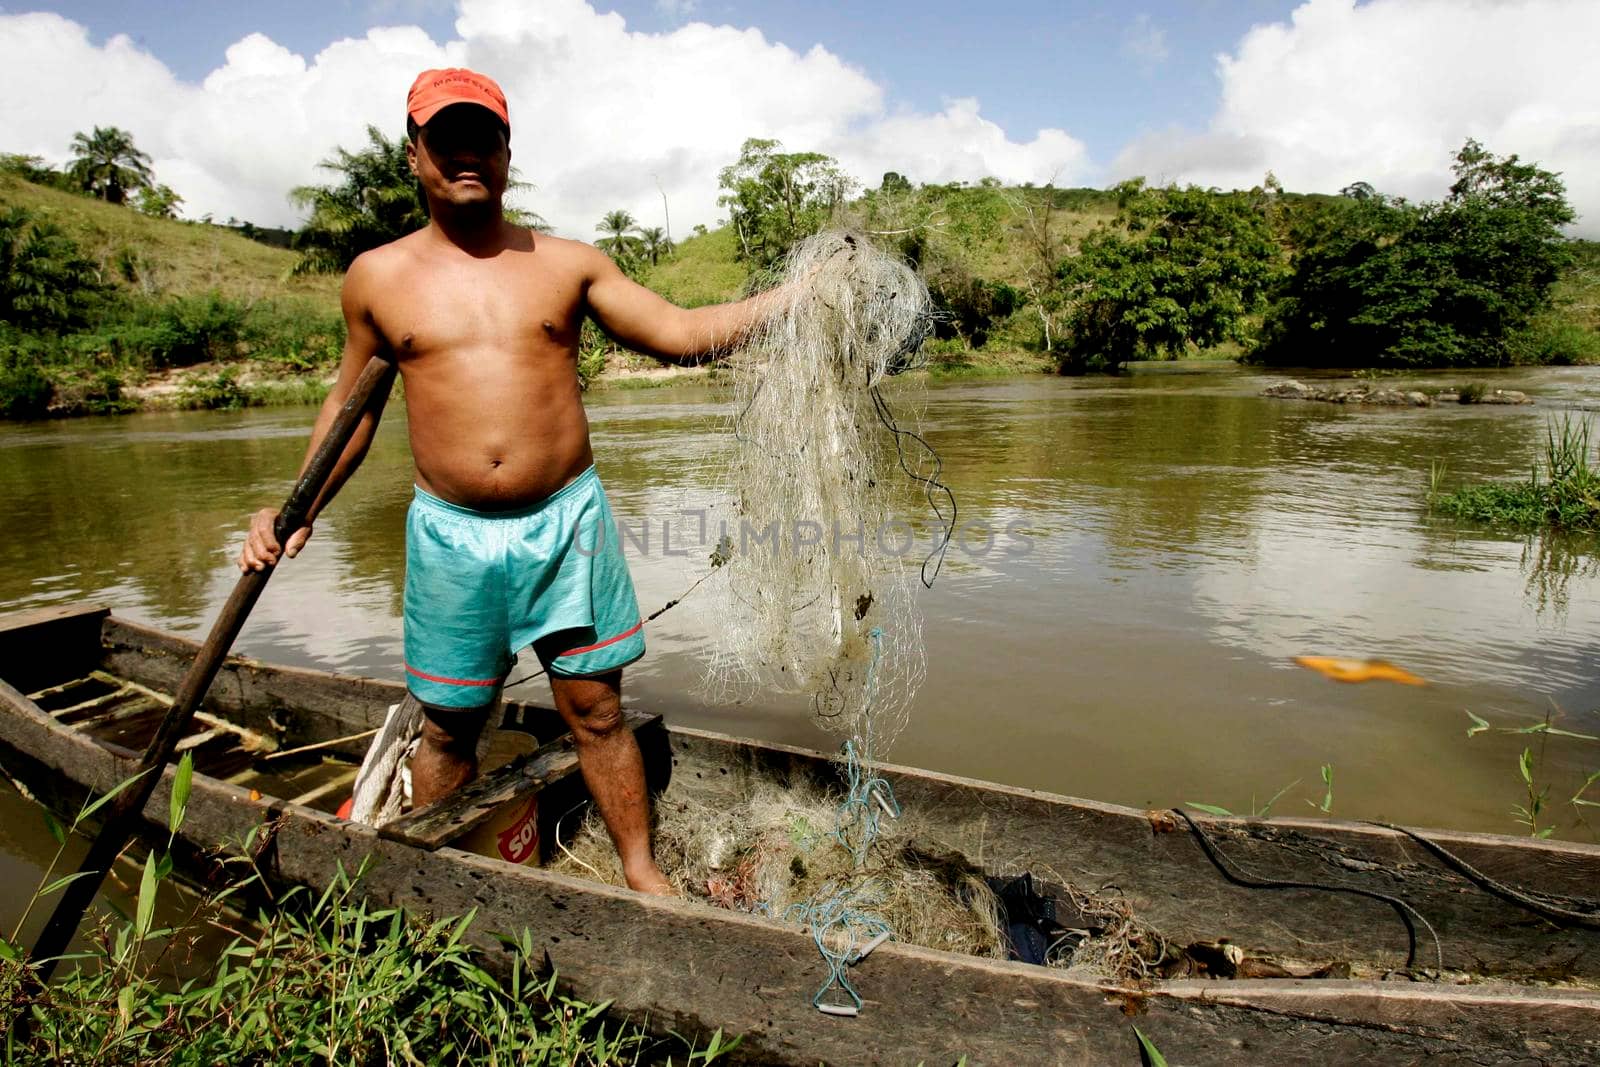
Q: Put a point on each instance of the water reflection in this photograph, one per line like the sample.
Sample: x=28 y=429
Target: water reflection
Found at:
x=1551 y=563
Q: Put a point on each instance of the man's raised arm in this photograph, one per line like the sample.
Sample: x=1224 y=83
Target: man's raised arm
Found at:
x=362 y=342
x=646 y=323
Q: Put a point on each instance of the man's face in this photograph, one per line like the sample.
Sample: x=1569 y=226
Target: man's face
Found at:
x=461 y=156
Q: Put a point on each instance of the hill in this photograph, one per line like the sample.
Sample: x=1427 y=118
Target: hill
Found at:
x=164 y=256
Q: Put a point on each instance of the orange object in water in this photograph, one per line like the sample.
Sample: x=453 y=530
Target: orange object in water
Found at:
x=1359 y=670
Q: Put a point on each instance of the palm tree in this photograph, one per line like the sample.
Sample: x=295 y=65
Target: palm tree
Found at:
x=618 y=226
x=654 y=243
x=378 y=201
x=45 y=281
x=107 y=164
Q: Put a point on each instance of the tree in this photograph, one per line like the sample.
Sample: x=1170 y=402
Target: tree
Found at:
x=106 y=164
x=1379 y=281
x=31 y=168
x=159 y=201
x=621 y=241
x=619 y=227
x=775 y=199
x=1180 y=267
x=653 y=242
x=377 y=201
x=45 y=281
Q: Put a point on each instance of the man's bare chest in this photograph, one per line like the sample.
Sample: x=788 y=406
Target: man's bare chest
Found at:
x=468 y=309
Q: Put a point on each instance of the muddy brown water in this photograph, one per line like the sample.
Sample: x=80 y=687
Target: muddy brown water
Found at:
x=1175 y=541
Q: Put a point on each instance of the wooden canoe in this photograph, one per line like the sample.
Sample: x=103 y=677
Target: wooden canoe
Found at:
x=66 y=674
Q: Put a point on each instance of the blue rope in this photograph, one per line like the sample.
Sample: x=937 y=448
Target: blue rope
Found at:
x=840 y=912
x=866 y=794
x=842 y=918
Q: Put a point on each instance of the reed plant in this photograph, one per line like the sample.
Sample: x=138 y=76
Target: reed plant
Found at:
x=1562 y=493
x=319 y=978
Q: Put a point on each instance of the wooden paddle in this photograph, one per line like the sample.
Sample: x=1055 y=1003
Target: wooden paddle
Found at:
x=126 y=810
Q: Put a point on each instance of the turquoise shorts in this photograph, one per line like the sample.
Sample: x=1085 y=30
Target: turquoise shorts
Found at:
x=481 y=586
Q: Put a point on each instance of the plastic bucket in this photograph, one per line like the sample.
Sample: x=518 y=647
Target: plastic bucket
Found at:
x=511 y=834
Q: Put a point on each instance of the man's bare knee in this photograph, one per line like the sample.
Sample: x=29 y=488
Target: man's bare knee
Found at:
x=599 y=718
x=453 y=730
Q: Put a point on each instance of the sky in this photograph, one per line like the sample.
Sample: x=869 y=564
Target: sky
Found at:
x=637 y=104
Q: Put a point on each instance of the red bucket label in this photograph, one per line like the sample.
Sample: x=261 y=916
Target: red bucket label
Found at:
x=520 y=840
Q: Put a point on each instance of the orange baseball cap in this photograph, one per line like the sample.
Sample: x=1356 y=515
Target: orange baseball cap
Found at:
x=435 y=90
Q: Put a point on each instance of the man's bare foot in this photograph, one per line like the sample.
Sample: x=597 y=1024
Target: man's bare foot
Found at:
x=651 y=881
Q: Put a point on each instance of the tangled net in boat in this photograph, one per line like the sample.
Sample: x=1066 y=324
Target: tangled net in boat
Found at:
x=817 y=597
x=772 y=850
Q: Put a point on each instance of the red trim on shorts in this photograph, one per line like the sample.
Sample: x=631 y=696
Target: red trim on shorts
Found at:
x=608 y=641
x=447 y=681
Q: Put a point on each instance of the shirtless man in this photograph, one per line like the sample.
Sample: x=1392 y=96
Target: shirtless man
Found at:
x=509 y=540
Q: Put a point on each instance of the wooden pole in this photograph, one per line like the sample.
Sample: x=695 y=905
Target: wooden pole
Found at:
x=126 y=811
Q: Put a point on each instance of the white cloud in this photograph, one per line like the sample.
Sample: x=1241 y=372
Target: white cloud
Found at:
x=600 y=114
x=1386 y=91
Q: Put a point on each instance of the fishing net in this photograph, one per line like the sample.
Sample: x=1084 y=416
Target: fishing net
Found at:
x=771 y=850
x=817 y=597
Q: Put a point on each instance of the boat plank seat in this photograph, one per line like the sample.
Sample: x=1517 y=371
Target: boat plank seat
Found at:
x=125 y=714
x=475 y=803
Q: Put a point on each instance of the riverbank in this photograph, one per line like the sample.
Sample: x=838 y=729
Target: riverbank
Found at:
x=230 y=386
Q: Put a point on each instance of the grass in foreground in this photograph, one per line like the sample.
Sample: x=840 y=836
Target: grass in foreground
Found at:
x=324 y=980
x=1565 y=497
x=321 y=979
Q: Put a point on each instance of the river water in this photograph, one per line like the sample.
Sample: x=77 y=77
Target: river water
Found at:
x=1176 y=539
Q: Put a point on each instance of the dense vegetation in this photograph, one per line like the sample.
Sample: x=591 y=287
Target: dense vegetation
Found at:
x=1381 y=282
x=100 y=297
x=101 y=293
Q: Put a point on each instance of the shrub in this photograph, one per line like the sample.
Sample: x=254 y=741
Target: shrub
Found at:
x=25 y=389
x=218 y=392
x=1554 y=343
x=593 y=349
x=97 y=392
x=194 y=329
x=969 y=306
x=296 y=336
x=1566 y=497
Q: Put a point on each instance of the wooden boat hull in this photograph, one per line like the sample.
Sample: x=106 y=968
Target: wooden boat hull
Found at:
x=693 y=968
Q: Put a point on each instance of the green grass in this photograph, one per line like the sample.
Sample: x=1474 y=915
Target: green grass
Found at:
x=703 y=270
x=290 y=392
x=322 y=979
x=1563 y=495
x=988 y=362
x=319 y=978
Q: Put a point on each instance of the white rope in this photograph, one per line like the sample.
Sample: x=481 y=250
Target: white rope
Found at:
x=381 y=787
